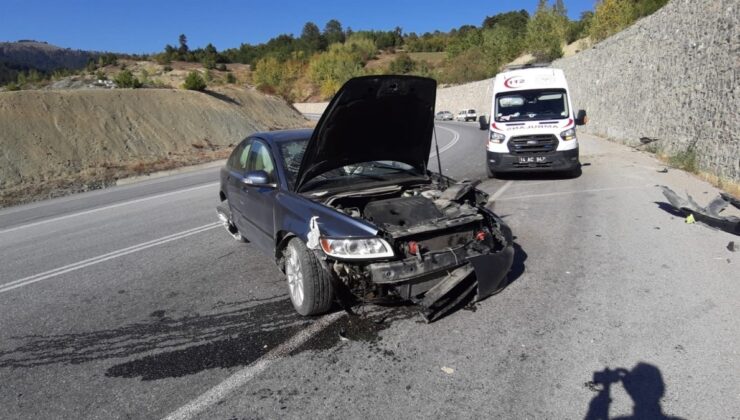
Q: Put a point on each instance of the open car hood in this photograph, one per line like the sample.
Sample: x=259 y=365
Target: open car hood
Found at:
x=373 y=118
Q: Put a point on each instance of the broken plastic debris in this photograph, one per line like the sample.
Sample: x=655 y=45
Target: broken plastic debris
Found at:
x=709 y=215
x=343 y=335
x=448 y=370
x=313 y=234
x=663 y=171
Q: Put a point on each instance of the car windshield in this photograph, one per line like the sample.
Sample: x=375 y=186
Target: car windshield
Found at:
x=292 y=153
x=532 y=105
x=377 y=170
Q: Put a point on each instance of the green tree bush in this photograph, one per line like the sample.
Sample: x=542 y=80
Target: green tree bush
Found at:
x=402 y=64
x=611 y=16
x=126 y=79
x=194 y=81
x=547 y=31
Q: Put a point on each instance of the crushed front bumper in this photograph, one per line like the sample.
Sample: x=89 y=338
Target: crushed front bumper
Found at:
x=441 y=280
x=564 y=160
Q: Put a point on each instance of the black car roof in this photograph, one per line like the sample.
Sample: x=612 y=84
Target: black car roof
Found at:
x=281 y=136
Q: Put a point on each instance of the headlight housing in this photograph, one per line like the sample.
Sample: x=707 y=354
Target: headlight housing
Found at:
x=356 y=248
x=568 y=134
x=496 y=138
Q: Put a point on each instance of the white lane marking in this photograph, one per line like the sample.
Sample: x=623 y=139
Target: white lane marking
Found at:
x=101 y=258
x=240 y=378
x=446 y=147
x=501 y=190
x=111 y=206
x=523 y=197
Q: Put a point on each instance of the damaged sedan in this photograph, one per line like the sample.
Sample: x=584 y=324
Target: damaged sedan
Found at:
x=350 y=212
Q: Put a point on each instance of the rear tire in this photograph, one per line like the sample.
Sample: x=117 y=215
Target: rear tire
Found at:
x=311 y=291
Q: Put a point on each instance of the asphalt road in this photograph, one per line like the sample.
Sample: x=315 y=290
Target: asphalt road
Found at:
x=131 y=303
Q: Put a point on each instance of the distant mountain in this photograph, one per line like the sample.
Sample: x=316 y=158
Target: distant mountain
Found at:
x=28 y=54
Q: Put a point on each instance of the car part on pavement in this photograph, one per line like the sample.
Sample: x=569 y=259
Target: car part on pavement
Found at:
x=709 y=215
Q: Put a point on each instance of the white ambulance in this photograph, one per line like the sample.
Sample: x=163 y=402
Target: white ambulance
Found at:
x=533 y=125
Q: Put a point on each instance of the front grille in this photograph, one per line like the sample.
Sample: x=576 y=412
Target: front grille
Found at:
x=532 y=145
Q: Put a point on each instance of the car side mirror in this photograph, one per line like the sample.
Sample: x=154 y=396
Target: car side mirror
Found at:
x=256 y=178
x=483 y=122
x=581 y=117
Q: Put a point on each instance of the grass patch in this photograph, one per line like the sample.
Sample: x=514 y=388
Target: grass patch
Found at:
x=685 y=160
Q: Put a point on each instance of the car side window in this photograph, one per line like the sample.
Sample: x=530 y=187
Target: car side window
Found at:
x=238 y=159
x=261 y=160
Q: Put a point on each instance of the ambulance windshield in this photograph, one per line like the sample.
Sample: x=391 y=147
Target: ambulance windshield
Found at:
x=531 y=105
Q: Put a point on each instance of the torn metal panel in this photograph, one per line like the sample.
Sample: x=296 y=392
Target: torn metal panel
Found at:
x=444 y=296
x=491 y=270
x=730 y=199
x=708 y=215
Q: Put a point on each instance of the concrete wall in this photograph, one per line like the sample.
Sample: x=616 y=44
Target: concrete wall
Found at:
x=672 y=75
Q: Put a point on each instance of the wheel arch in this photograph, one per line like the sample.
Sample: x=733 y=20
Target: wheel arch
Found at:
x=281 y=241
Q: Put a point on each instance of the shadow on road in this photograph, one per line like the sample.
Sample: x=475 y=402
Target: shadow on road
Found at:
x=644 y=384
x=237 y=335
x=517 y=267
x=668 y=208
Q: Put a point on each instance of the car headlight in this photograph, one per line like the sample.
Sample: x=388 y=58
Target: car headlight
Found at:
x=568 y=134
x=497 y=138
x=356 y=248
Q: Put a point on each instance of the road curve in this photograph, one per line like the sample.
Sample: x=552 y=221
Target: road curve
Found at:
x=131 y=303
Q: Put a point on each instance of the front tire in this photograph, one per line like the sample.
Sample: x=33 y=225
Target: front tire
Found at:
x=310 y=287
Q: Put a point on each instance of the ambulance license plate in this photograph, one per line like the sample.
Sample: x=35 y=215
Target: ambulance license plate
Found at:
x=532 y=159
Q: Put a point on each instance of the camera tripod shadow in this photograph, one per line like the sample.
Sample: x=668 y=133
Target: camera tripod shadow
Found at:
x=644 y=384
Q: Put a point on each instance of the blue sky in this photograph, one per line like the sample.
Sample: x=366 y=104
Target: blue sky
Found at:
x=136 y=26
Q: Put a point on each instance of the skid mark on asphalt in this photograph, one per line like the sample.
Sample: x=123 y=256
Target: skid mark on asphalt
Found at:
x=102 y=258
x=240 y=378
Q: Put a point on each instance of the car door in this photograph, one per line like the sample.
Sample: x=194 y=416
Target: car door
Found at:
x=233 y=179
x=257 y=206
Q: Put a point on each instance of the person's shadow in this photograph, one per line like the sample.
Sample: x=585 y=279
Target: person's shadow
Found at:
x=644 y=384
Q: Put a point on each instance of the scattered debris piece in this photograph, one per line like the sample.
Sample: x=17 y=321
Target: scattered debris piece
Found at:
x=648 y=140
x=709 y=215
x=663 y=171
x=448 y=370
x=343 y=335
x=731 y=246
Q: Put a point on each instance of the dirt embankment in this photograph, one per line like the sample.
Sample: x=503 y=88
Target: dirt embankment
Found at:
x=55 y=142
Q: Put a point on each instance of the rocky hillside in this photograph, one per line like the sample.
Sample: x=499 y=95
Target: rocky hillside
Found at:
x=53 y=138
